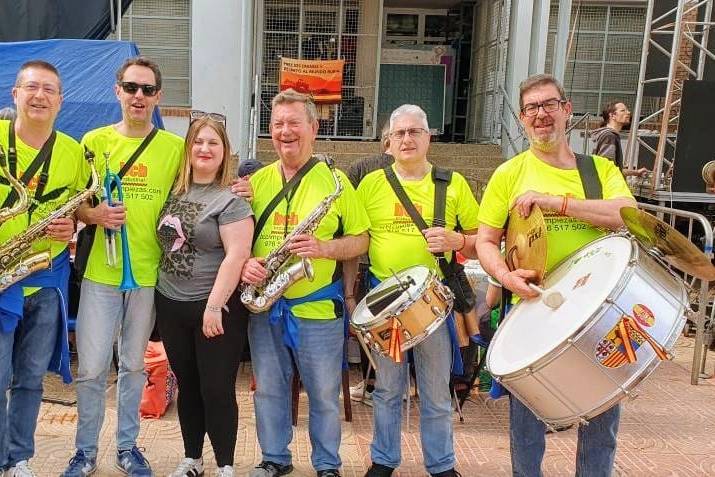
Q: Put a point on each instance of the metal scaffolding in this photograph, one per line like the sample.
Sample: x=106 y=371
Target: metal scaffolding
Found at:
x=688 y=24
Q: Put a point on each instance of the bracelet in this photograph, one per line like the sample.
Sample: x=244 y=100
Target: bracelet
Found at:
x=347 y=297
x=464 y=242
x=564 y=205
x=501 y=278
x=213 y=308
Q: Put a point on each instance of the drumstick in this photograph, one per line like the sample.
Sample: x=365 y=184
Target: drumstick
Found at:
x=358 y=335
x=552 y=299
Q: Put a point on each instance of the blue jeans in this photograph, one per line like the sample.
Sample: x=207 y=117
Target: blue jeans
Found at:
x=24 y=357
x=319 y=360
x=595 y=450
x=433 y=361
x=105 y=314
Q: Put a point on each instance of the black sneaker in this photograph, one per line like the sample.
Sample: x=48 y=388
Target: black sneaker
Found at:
x=379 y=470
x=270 y=469
x=329 y=473
x=447 y=473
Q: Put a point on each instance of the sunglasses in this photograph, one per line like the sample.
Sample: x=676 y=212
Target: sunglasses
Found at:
x=131 y=87
x=196 y=114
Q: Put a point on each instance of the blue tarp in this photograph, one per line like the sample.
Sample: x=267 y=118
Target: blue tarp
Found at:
x=87 y=69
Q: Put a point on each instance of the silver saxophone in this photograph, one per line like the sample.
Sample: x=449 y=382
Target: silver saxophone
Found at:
x=283 y=267
x=17 y=260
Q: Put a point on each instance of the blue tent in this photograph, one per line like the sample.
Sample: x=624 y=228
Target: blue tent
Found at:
x=87 y=69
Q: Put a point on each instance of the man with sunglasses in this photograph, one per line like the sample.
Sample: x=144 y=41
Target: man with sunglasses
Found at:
x=105 y=310
x=548 y=175
x=33 y=330
x=396 y=243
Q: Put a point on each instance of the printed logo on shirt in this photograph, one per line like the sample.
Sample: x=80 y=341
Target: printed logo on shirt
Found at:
x=400 y=210
x=281 y=219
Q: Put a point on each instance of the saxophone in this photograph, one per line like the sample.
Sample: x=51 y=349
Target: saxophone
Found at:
x=21 y=204
x=17 y=260
x=283 y=269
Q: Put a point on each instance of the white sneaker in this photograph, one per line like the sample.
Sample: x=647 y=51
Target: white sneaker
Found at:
x=358 y=393
x=189 y=468
x=225 y=471
x=21 y=469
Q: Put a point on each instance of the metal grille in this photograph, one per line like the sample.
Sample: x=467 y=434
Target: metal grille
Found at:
x=327 y=30
x=491 y=23
x=604 y=54
x=162 y=32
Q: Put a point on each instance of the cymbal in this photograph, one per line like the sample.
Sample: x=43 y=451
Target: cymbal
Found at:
x=526 y=242
x=675 y=248
x=709 y=173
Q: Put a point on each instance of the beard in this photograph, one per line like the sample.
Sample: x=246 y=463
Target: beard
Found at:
x=546 y=143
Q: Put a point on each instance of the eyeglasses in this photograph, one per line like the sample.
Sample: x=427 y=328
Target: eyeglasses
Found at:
x=131 y=87
x=412 y=132
x=196 y=114
x=33 y=88
x=550 y=105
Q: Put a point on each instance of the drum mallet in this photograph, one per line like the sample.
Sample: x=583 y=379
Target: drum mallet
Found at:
x=552 y=299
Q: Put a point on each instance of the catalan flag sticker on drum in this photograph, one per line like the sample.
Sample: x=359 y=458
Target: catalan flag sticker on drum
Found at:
x=610 y=350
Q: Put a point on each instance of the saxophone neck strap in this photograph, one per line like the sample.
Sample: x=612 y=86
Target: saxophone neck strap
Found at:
x=288 y=187
x=42 y=159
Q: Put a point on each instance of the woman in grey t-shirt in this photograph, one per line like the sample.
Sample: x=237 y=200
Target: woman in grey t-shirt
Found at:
x=205 y=233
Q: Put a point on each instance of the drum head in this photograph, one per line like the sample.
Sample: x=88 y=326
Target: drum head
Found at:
x=585 y=279
x=391 y=295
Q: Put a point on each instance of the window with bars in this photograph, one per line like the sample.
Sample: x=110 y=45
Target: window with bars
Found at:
x=604 y=52
x=327 y=30
x=162 y=32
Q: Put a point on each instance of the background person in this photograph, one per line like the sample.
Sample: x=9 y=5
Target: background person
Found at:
x=205 y=232
x=614 y=117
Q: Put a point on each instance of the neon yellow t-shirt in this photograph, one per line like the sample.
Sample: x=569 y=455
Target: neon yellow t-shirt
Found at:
x=345 y=217
x=64 y=180
x=146 y=187
x=395 y=241
x=526 y=172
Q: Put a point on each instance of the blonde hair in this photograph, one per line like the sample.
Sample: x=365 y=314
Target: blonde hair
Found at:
x=223 y=176
x=291 y=96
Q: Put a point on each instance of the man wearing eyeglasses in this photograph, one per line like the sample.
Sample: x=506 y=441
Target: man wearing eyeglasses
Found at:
x=105 y=311
x=33 y=330
x=395 y=244
x=546 y=175
x=306 y=325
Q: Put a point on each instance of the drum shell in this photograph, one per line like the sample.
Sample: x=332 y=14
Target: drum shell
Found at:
x=568 y=384
x=420 y=319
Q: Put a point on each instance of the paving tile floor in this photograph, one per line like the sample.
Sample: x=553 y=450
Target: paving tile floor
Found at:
x=668 y=430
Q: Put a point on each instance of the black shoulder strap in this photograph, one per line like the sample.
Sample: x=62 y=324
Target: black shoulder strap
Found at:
x=589 y=177
x=42 y=158
x=133 y=158
x=287 y=188
x=440 y=189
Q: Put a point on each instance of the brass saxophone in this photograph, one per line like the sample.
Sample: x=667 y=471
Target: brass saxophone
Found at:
x=282 y=266
x=17 y=260
x=21 y=204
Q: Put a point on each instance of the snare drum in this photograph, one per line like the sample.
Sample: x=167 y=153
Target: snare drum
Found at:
x=572 y=363
x=415 y=297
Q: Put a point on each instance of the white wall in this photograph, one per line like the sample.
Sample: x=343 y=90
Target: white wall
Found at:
x=221 y=63
x=176 y=124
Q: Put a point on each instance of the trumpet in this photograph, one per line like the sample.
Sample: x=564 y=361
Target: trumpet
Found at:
x=112 y=180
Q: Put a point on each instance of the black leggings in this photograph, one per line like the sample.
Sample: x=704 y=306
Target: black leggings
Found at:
x=206 y=370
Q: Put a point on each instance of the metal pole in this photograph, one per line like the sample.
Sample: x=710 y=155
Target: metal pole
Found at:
x=119 y=20
x=704 y=39
x=631 y=160
x=562 y=30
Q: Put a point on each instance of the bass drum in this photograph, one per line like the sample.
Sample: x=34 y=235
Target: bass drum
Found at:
x=572 y=363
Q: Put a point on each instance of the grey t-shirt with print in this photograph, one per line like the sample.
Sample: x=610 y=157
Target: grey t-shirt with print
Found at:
x=188 y=232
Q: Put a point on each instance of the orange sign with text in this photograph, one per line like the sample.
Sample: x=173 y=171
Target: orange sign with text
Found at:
x=323 y=79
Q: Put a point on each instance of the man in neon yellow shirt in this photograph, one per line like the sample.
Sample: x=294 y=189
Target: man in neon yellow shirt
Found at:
x=546 y=175
x=104 y=309
x=396 y=243
x=37 y=341
x=307 y=324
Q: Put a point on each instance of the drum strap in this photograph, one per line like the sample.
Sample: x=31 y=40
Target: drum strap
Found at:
x=592 y=187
